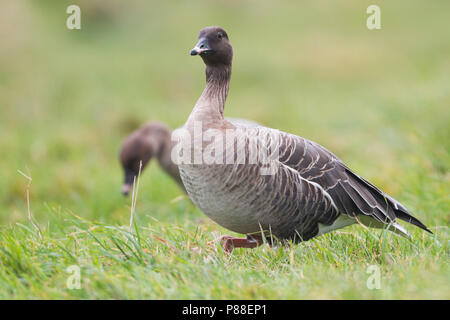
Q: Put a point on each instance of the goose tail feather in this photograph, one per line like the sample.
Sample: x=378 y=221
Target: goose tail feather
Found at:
x=406 y=216
x=391 y=208
x=400 y=230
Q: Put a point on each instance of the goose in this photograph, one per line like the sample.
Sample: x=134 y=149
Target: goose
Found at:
x=153 y=139
x=311 y=192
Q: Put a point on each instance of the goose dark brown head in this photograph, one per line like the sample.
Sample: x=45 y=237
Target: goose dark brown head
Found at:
x=213 y=46
x=142 y=145
x=133 y=151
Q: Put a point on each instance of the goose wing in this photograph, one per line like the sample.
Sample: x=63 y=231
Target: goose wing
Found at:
x=351 y=194
x=294 y=206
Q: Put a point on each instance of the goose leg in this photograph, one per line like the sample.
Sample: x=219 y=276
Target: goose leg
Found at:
x=229 y=243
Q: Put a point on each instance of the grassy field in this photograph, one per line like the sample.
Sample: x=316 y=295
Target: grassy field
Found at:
x=378 y=99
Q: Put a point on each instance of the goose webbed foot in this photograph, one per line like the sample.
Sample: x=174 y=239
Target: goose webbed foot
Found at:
x=229 y=242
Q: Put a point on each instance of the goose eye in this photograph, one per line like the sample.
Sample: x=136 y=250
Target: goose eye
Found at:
x=220 y=35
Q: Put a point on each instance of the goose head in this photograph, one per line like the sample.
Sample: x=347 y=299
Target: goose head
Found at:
x=133 y=151
x=142 y=145
x=213 y=46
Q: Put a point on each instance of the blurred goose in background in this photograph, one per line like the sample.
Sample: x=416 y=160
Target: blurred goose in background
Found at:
x=153 y=139
x=311 y=193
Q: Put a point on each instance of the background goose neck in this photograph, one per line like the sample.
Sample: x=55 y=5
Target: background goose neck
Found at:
x=164 y=156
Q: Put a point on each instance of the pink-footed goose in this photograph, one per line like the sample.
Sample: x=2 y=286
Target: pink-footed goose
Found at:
x=153 y=139
x=311 y=193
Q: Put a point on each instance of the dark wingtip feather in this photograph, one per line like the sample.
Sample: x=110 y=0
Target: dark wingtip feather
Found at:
x=394 y=206
x=408 y=218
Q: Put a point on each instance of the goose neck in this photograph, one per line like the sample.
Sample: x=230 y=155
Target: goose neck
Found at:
x=212 y=101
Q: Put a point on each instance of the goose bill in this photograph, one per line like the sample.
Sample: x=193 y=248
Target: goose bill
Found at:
x=202 y=47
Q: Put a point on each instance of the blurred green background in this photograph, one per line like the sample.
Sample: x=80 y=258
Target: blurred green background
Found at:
x=378 y=99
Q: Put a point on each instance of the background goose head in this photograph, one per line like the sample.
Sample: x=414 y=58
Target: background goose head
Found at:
x=142 y=145
x=213 y=46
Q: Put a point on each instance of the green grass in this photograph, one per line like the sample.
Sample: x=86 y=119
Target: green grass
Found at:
x=377 y=99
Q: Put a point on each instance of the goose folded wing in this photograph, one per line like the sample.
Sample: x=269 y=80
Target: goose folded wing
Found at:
x=297 y=205
x=351 y=194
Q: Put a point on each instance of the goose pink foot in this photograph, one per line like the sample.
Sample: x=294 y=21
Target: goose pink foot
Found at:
x=229 y=242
